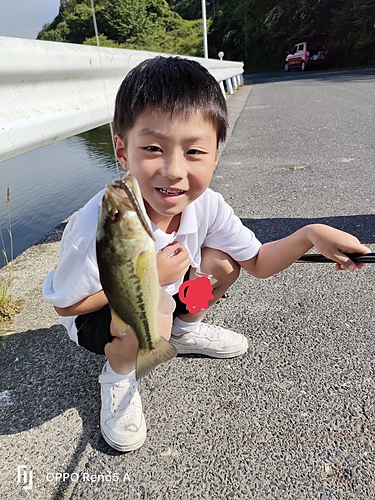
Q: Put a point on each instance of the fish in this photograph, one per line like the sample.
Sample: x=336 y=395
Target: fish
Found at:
x=126 y=256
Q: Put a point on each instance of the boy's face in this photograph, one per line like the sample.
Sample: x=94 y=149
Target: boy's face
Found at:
x=173 y=159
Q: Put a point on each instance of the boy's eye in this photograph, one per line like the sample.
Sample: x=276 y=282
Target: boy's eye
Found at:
x=153 y=149
x=194 y=152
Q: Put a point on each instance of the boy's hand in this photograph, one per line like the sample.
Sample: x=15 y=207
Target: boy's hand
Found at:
x=334 y=244
x=277 y=255
x=172 y=263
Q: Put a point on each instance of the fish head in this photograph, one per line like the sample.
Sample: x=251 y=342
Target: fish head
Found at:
x=115 y=212
x=122 y=210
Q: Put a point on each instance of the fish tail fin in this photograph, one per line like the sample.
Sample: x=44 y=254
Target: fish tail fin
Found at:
x=147 y=360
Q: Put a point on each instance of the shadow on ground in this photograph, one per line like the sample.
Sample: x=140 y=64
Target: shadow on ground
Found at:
x=329 y=75
x=43 y=375
x=361 y=226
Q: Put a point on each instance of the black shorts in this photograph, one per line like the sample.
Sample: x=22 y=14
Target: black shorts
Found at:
x=93 y=328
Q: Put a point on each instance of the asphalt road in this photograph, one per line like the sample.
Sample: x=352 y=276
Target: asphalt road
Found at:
x=294 y=418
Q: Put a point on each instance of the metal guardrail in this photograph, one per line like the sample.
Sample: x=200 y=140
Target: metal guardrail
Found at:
x=50 y=91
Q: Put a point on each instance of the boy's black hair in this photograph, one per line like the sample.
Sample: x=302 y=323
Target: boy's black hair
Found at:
x=180 y=86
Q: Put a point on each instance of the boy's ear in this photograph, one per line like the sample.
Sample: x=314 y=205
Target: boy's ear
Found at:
x=120 y=151
x=217 y=156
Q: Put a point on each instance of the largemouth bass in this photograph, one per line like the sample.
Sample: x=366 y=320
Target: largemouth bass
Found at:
x=126 y=255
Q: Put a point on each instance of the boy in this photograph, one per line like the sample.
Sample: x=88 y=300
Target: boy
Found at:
x=170 y=117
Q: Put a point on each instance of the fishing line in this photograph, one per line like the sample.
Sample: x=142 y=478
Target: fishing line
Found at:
x=104 y=85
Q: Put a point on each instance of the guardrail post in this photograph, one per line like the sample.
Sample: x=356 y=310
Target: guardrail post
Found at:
x=222 y=88
x=234 y=83
x=229 y=86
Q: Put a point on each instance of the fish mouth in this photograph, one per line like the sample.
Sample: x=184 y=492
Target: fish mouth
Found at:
x=119 y=194
x=171 y=191
x=127 y=182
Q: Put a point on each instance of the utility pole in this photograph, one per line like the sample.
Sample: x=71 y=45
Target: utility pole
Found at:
x=204 y=27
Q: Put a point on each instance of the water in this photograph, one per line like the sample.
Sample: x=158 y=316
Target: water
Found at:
x=47 y=185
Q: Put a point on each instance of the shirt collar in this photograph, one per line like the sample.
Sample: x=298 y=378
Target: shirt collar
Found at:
x=188 y=225
x=188 y=222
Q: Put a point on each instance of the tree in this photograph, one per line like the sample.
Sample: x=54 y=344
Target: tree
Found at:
x=259 y=33
x=187 y=9
x=134 y=24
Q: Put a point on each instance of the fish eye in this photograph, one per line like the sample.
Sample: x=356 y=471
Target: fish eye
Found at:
x=114 y=214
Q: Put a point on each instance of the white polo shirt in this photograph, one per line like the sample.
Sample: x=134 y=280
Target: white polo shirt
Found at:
x=207 y=222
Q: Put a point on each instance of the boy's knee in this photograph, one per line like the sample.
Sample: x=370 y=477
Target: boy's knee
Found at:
x=164 y=325
x=220 y=265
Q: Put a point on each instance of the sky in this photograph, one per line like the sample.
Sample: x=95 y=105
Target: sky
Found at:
x=25 y=18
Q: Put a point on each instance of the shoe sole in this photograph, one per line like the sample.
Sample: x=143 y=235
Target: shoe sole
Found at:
x=181 y=349
x=123 y=448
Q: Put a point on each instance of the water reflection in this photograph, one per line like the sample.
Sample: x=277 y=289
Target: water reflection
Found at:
x=100 y=141
x=49 y=184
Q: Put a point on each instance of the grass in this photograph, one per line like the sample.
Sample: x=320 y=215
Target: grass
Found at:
x=9 y=306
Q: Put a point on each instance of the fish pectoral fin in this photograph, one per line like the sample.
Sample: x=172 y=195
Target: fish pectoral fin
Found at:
x=148 y=359
x=120 y=326
x=167 y=303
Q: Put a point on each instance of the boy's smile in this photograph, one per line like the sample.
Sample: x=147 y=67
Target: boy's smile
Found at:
x=173 y=159
x=170 y=195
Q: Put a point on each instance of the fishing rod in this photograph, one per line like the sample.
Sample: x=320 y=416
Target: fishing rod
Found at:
x=368 y=258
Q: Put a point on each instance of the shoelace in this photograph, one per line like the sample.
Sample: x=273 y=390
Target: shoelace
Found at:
x=212 y=332
x=122 y=394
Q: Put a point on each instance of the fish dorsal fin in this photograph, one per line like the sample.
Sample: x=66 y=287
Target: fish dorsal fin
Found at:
x=166 y=303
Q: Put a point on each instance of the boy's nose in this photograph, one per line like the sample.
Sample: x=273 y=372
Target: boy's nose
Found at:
x=173 y=168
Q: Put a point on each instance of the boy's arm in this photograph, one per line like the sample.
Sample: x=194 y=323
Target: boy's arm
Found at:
x=277 y=255
x=88 y=304
x=173 y=261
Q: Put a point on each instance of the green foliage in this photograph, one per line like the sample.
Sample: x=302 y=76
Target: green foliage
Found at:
x=260 y=33
x=132 y=24
x=103 y=41
x=188 y=9
x=352 y=41
x=72 y=24
x=9 y=306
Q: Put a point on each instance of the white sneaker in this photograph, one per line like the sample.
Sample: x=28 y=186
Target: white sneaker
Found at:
x=212 y=341
x=121 y=418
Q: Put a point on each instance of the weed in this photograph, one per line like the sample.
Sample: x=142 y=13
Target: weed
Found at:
x=9 y=306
